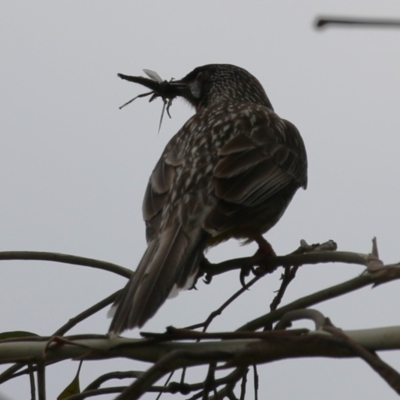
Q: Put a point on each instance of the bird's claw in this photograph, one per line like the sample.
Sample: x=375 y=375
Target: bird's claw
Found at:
x=245 y=272
x=207 y=279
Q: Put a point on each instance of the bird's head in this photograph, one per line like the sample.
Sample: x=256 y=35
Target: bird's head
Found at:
x=204 y=87
x=215 y=83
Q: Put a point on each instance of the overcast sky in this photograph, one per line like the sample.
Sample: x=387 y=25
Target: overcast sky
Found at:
x=73 y=167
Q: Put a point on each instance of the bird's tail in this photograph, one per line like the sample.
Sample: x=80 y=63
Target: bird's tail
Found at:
x=170 y=262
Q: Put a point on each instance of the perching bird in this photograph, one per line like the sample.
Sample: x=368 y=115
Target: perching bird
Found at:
x=230 y=172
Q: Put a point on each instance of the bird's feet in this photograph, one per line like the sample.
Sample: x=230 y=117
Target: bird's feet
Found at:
x=204 y=265
x=264 y=250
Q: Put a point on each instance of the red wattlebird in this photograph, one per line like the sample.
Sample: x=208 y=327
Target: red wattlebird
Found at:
x=230 y=172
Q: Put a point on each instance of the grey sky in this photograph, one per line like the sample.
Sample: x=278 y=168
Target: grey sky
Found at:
x=73 y=168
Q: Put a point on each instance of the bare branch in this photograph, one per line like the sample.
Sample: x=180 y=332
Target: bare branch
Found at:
x=32 y=381
x=11 y=372
x=97 y=392
x=256 y=384
x=66 y=259
x=322 y=22
x=230 y=382
x=92 y=347
x=112 y=375
x=238 y=350
x=243 y=385
x=271 y=263
x=173 y=334
x=86 y=314
x=314 y=315
x=209 y=382
x=307 y=301
x=41 y=380
x=287 y=277
x=304 y=248
x=390 y=375
x=220 y=309
x=165 y=365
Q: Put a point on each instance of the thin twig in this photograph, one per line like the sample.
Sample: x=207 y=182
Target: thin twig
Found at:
x=385 y=371
x=66 y=259
x=11 y=371
x=256 y=382
x=169 y=362
x=347 y=21
x=290 y=271
x=32 y=381
x=85 y=314
x=266 y=267
x=112 y=375
x=288 y=275
x=167 y=382
x=220 y=309
x=312 y=258
x=154 y=373
x=209 y=382
x=307 y=301
x=243 y=385
x=231 y=380
x=173 y=334
x=304 y=313
x=97 y=392
x=230 y=395
x=41 y=378
x=196 y=396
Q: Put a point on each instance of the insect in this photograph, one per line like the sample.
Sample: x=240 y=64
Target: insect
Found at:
x=167 y=90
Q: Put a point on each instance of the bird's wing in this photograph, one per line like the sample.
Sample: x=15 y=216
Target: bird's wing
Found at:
x=158 y=191
x=258 y=171
x=175 y=246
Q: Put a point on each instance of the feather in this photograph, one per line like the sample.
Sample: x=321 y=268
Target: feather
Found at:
x=169 y=260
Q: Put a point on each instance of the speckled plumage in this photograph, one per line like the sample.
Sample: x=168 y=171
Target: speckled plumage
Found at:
x=230 y=171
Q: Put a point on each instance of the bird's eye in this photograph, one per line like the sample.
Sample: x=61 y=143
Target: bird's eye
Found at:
x=196 y=85
x=200 y=76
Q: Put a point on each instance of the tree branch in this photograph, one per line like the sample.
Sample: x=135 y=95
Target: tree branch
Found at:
x=385 y=371
x=347 y=21
x=66 y=259
x=307 y=301
x=270 y=263
x=92 y=347
x=86 y=314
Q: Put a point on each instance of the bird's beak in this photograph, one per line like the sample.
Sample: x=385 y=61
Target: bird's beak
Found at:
x=174 y=88
x=166 y=90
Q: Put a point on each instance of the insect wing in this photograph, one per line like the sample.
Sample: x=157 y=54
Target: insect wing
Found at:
x=152 y=75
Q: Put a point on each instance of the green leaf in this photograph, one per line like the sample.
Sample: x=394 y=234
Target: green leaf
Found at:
x=16 y=334
x=72 y=388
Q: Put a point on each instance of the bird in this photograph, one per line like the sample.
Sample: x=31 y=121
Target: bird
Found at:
x=229 y=172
